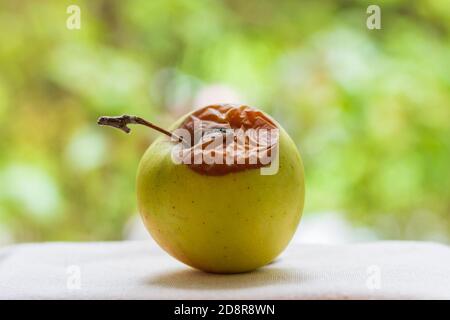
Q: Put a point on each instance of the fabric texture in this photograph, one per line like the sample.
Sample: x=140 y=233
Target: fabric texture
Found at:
x=141 y=270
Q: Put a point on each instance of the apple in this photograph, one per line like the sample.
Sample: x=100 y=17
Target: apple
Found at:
x=220 y=221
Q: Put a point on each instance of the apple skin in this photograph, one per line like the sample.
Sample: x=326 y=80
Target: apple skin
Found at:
x=221 y=224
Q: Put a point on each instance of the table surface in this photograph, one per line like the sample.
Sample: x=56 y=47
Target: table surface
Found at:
x=141 y=270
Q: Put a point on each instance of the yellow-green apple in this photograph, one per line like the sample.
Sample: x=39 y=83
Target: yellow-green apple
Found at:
x=220 y=217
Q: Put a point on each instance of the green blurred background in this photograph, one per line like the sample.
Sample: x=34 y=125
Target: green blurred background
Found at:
x=369 y=109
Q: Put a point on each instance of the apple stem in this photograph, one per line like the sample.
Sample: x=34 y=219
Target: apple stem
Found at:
x=121 y=123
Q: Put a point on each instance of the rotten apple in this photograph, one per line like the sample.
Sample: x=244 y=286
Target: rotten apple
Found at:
x=224 y=216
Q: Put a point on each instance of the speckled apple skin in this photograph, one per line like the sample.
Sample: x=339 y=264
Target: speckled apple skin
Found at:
x=222 y=224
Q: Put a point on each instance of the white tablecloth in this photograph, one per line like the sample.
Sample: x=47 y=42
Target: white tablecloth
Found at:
x=140 y=270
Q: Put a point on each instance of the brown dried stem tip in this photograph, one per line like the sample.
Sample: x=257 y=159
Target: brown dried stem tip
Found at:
x=121 y=123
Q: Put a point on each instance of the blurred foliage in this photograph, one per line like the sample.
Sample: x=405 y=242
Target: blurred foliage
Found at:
x=369 y=109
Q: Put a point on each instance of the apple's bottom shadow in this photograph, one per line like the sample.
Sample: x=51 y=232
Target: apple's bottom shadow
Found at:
x=191 y=279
